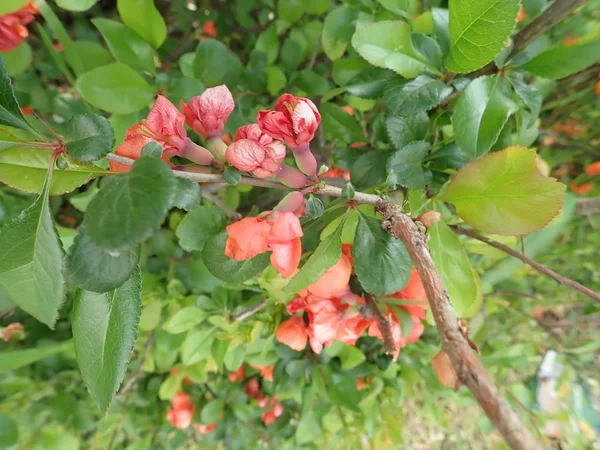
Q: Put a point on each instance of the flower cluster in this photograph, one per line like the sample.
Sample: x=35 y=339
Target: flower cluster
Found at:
x=182 y=412
x=335 y=313
x=278 y=231
x=12 y=27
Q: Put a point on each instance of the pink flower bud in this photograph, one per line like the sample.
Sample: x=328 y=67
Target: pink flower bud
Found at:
x=262 y=161
x=294 y=120
x=206 y=114
x=253 y=132
x=165 y=125
x=293 y=202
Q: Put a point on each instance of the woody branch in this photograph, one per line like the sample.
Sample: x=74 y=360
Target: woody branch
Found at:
x=467 y=366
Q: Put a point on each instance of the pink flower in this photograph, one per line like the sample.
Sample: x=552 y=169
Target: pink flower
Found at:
x=131 y=148
x=165 y=125
x=238 y=375
x=271 y=415
x=206 y=114
x=204 y=429
x=12 y=329
x=292 y=333
x=182 y=411
x=249 y=156
x=277 y=231
x=252 y=388
x=12 y=27
x=294 y=120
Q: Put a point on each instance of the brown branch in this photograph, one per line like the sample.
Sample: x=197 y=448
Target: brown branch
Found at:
x=467 y=366
x=127 y=386
x=556 y=12
x=230 y=213
x=382 y=323
x=250 y=312
x=530 y=262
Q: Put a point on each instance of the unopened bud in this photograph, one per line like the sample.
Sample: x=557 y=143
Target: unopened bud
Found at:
x=429 y=218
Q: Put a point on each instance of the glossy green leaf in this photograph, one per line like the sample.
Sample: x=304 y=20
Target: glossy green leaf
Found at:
x=276 y=80
x=504 y=193
x=403 y=130
x=351 y=357
x=325 y=256
x=407 y=165
x=227 y=269
x=93 y=268
x=212 y=411
x=105 y=327
x=12 y=360
x=453 y=264
x=388 y=44
x=126 y=45
x=115 y=88
x=531 y=98
x=199 y=225
x=562 y=61
x=91 y=55
x=418 y=95
x=18 y=60
x=88 y=137
x=215 y=64
x=478 y=30
x=26 y=169
x=76 y=5
x=268 y=43
x=185 y=319
x=143 y=18
x=131 y=206
x=337 y=31
x=441 y=22
x=480 y=114
x=337 y=123
x=10 y=112
x=369 y=83
x=381 y=262
x=186 y=194
x=197 y=346
x=369 y=168
x=32 y=260
x=9 y=433
x=316 y=7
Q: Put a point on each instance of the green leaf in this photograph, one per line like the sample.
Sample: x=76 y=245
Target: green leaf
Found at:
x=186 y=194
x=531 y=98
x=115 y=88
x=126 y=45
x=197 y=346
x=10 y=112
x=478 y=31
x=381 y=262
x=32 y=260
x=337 y=31
x=369 y=168
x=342 y=391
x=227 y=269
x=88 y=137
x=316 y=7
x=9 y=433
x=480 y=114
x=452 y=262
x=105 y=327
x=407 y=165
x=143 y=18
x=91 y=55
x=25 y=169
x=76 y=5
x=314 y=207
x=418 y=95
x=562 y=61
x=131 y=206
x=212 y=411
x=312 y=83
x=199 y=225
x=351 y=357
x=504 y=193
x=339 y=124
x=276 y=80
x=403 y=130
x=215 y=64
x=18 y=60
x=268 y=43
x=441 y=19
x=388 y=44
x=16 y=359
x=369 y=83
x=185 y=319
x=8 y=6
x=219 y=350
x=94 y=269
x=325 y=256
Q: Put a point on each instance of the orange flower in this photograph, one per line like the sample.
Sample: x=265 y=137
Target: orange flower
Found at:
x=593 y=168
x=238 y=375
x=209 y=28
x=414 y=290
x=27 y=110
x=204 y=429
x=549 y=141
x=292 y=333
x=270 y=416
x=581 y=189
x=521 y=15
x=266 y=372
x=335 y=172
x=334 y=282
x=247 y=238
x=182 y=411
x=360 y=384
x=597 y=88
x=10 y=330
x=12 y=27
x=227 y=138
x=357 y=144
x=348 y=109
x=570 y=40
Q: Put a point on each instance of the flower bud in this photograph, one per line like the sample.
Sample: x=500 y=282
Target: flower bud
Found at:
x=429 y=218
x=206 y=114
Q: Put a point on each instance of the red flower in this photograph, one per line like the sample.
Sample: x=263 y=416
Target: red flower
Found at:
x=204 y=429
x=206 y=114
x=521 y=15
x=414 y=290
x=238 y=375
x=252 y=388
x=26 y=110
x=292 y=333
x=255 y=152
x=593 y=168
x=360 y=384
x=348 y=109
x=335 y=172
x=581 y=189
x=597 y=89
x=266 y=372
x=12 y=27
x=182 y=411
x=10 y=330
x=570 y=40
x=334 y=282
x=271 y=415
x=209 y=28
x=294 y=120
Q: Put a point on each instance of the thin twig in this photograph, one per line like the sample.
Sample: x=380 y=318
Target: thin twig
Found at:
x=382 y=323
x=230 y=213
x=138 y=371
x=470 y=371
x=530 y=262
x=249 y=312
